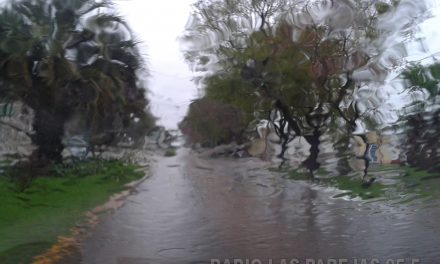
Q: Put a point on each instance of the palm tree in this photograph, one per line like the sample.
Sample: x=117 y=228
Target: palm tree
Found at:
x=63 y=57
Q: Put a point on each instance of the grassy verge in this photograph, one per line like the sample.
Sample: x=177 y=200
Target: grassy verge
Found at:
x=31 y=219
x=420 y=182
x=353 y=188
x=170 y=152
x=408 y=183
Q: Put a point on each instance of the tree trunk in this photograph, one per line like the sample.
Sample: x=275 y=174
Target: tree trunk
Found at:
x=48 y=133
x=341 y=148
x=311 y=163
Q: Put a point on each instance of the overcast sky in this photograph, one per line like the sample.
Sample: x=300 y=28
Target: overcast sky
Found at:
x=158 y=24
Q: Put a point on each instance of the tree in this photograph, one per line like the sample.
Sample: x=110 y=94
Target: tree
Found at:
x=422 y=117
x=307 y=59
x=211 y=123
x=64 y=57
x=228 y=88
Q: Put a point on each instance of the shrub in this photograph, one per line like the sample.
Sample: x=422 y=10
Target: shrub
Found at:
x=170 y=152
x=212 y=123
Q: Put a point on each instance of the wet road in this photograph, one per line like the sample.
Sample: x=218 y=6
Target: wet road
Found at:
x=193 y=210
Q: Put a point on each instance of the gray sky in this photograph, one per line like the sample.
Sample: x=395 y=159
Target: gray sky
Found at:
x=158 y=24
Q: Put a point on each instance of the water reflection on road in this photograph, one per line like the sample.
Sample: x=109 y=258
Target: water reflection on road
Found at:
x=193 y=210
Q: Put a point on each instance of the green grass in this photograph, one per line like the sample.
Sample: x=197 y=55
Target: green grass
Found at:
x=420 y=182
x=354 y=188
x=170 y=152
x=32 y=219
x=411 y=183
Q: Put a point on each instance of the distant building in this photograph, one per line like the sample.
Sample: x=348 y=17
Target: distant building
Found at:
x=379 y=148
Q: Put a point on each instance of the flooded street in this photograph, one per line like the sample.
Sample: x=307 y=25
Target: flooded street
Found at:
x=194 y=209
x=271 y=131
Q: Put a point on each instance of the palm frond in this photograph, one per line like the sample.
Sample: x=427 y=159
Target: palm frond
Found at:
x=90 y=7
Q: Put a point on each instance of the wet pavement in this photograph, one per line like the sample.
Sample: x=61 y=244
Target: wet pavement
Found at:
x=199 y=210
